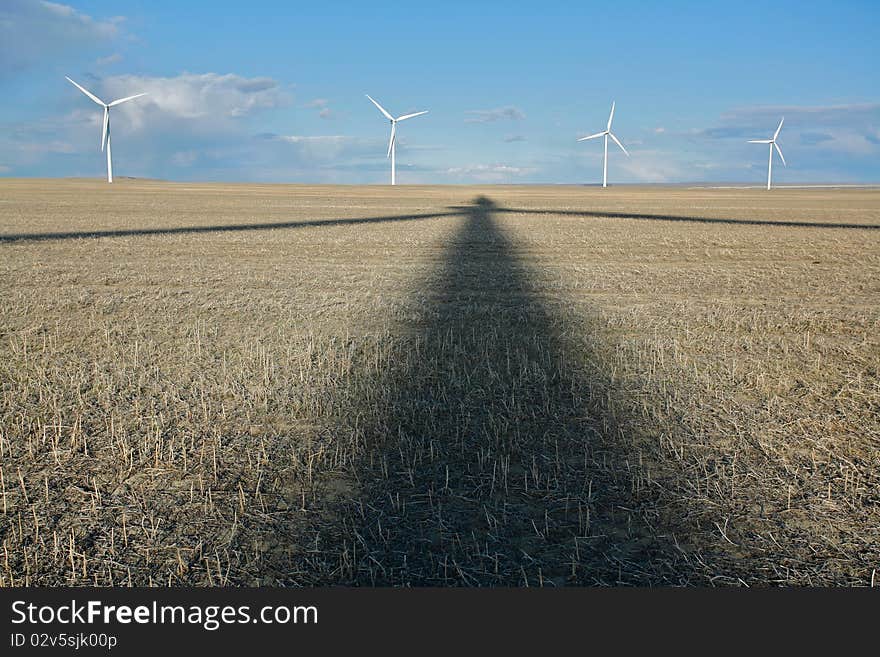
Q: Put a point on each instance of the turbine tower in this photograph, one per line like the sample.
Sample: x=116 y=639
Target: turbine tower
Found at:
x=392 y=143
x=105 y=133
x=607 y=133
x=773 y=145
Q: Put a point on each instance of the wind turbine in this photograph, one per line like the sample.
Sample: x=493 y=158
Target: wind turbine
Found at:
x=607 y=133
x=392 y=143
x=773 y=145
x=105 y=134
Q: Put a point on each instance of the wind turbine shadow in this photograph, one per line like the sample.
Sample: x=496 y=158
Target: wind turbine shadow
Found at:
x=493 y=462
x=689 y=219
x=224 y=228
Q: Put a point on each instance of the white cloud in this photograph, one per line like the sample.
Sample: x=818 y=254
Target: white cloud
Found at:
x=192 y=122
x=33 y=31
x=207 y=98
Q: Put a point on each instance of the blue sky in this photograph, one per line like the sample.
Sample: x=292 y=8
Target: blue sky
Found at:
x=274 y=91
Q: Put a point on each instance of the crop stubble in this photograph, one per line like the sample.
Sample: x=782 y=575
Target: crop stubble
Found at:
x=246 y=384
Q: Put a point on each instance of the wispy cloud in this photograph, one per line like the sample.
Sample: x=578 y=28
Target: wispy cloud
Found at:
x=726 y=132
x=650 y=166
x=323 y=107
x=492 y=173
x=324 y=148
x=33 y=31
x=754 y=121
x=813 y=138
x=514 y=138
x=500 y=114
x=53 y=146
x=819 y=113
x=115 y=58
x=314 y=139
x=184 y=158
x=33 y=141
x=810 y=130
x=849 y=143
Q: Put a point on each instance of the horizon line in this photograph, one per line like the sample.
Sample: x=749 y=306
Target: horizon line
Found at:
x=692 y=184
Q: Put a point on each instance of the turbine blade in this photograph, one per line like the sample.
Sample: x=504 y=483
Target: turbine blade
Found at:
x=760 y=141
x=409 y=116
x=779 y=150
x=610 y=117
x=598 y=134
x=617 y=141
x=106 y=125
x=391 y=141
x=776 y=134
x=127 y=98
x=381 y=109
x=87 y=92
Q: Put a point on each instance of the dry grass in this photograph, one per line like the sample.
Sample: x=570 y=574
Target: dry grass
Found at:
x=242 y=384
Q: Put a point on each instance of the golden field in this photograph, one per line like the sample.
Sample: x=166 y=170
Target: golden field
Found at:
x=211 y=384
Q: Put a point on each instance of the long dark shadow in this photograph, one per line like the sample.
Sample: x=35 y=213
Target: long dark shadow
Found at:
x=492 y=463
x=699 y=220
x=218 y=228
x=178 y=230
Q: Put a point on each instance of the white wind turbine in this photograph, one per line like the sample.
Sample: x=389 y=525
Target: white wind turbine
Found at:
x=607 y=133
x=105 y=134
x=392 y=143
x=773 y=145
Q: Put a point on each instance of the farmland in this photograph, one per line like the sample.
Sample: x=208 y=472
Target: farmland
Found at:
x=227 y=385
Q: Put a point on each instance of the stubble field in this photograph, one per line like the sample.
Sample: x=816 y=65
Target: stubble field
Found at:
x=289 y=385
